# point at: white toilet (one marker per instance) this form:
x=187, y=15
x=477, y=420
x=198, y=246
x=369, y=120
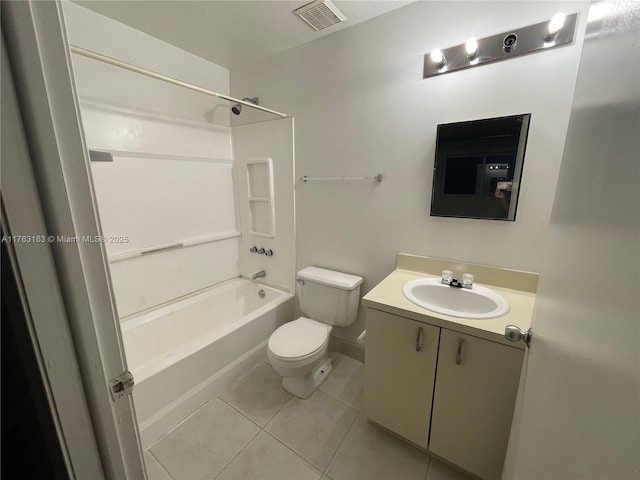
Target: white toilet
x=298, y=350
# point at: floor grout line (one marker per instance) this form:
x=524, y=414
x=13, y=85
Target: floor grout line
x=238, y=453
x=161, y=437
x=337, y=361
x=344, y=402
x=241, y=413
x=230, y=384
x=246, y=415
x=217, y=396
x=260, y=428
x=293, y=397
x=161, y=464
x=341, y=442
x=164, y=435
x=292, y=451
x=279, y=410
x=358, y=410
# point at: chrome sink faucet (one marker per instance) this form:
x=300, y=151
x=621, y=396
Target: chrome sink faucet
x=449, y=279
x=259, y=274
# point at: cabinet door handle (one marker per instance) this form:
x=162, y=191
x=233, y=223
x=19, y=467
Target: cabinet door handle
x=459, y=354
x=419, y=339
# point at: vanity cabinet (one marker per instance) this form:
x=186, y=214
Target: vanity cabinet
x=400, y=368
x=474, y=398
x=473, y=392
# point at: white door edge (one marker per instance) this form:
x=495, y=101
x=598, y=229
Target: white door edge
x=38, y=52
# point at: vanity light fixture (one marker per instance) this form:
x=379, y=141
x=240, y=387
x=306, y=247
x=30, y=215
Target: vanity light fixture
x=555, y=25
x=597, y=11
x=543, y=36
x=438, y=58
x=471, y=48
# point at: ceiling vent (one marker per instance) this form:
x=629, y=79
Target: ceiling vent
x=320, y=14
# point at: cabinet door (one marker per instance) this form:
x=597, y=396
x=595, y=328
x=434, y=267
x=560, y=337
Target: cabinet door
x=473, y=403
x=400, y=365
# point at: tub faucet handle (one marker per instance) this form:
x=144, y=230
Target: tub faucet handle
x=253, y=249
x=261, y=250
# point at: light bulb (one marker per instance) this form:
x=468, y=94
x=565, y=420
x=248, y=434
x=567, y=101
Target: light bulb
x=556, y=23
x=471, y=47
x=598, y=11
x=437, y=57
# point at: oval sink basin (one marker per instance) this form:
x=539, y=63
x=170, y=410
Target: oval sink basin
x=478, y=302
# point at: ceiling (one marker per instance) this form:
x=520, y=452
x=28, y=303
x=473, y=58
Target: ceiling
x=232, y=33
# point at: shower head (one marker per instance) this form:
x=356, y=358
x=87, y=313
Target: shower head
x=237, y=108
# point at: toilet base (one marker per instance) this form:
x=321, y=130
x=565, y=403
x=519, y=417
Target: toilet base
x=304, y=385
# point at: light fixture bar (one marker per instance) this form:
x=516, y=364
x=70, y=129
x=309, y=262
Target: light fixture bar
x=502, y=46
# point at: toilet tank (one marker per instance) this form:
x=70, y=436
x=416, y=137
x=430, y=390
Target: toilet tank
x=328, y=296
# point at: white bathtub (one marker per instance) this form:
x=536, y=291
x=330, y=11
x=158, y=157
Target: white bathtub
x=185, y=352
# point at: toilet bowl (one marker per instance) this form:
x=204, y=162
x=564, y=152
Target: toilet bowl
x=298, y=350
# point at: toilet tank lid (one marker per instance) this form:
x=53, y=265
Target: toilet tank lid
x=330, y=278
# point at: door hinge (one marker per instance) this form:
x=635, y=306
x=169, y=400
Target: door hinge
x=121, y=385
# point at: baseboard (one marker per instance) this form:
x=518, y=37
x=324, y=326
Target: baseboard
x=347, y=347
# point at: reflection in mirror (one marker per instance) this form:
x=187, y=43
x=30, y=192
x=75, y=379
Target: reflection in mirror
x=478, y=166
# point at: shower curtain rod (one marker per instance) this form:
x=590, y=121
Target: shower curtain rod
x=143, y=71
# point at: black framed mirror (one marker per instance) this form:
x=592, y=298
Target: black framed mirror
x=478, y=168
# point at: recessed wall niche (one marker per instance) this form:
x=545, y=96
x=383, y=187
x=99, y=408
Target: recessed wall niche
x=261, y=204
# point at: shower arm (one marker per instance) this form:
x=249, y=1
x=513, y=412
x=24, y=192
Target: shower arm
x=158, y=76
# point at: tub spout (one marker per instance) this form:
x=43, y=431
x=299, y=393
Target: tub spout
x=259, y=274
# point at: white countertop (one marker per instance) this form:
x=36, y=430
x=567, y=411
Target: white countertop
x=387, y=296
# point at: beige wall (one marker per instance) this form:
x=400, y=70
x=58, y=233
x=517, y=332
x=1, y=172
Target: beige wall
x=362, y=107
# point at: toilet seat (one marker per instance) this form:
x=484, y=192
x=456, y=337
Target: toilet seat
x=299, y=340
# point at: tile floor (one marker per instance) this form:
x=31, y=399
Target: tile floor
x=256, y=430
